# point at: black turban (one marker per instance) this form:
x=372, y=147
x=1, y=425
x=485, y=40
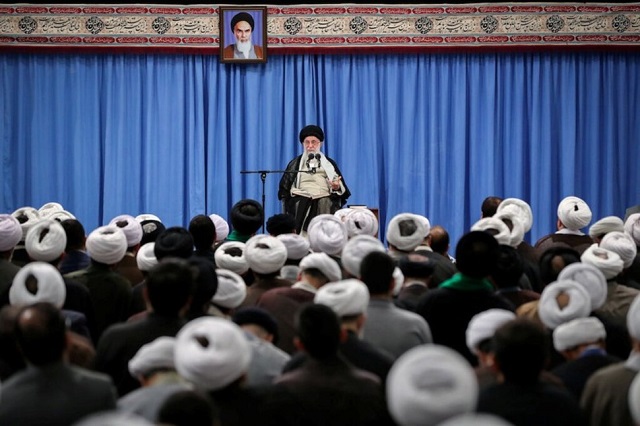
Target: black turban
x=311, y=130
x=257, y=316
x=242, y=16
x=150, y=231
x=174, y=242
x=247, y=216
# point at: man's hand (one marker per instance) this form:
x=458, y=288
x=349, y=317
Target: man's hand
x=335, y=183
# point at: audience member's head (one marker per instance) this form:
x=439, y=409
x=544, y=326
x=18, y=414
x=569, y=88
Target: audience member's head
x=406, y=231
x=509, y=267
x=356, y=249
x=247, y=217
x=145, y=258
x=573, y=214
x=258, y=322
x=153, y=358
x=212, y=353
x=348, y=298
x=429, y=384
x=517, y=208
x=571, y=338
x=75, y=234
x=494, y=227
x=46, y=241
x=563, y=301
x=230, y=255
x=415, y=266
x=41, y=333
x=38, y=282
x=476, y=254
x=10, y=234
x=605, y=225
x=481, y=329
x=27, y=216
x=591, y=278
x=318, y=331
x=297, y=247
x=231, y=290
x=607, y=261
x=188, y=408
x=169, y=286
x=490, y=205
x=265, y=255
x=203, y=232
x=131, y=228
x=622, y=244
x=632, y=227
x=376, y=271
x=361, y=222
x=221, y=225
x=281, y=223
x=321, y=268
x=175, y=241
x=107, y=245
x=439, y=240
x=327, y=234
x=520, y=351
x=205, y=286
x=150, y=230
x=554, y=260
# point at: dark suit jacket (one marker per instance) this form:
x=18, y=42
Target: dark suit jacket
x=57, y=394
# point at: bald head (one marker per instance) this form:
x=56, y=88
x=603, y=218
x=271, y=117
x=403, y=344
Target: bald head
x=41, y=333
x=439, y=240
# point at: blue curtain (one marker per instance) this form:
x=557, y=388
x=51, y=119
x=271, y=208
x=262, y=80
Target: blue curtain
x=431, y=134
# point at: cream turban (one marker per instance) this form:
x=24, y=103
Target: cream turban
x=497, y=228
x=231, y=290
x=225, y=260
x=222, y=227
x=48, y=286
x=297, y=245
x=633, y=319
x=425, y=223
x=27, y=216
x=346, y=297
x=157, y=355
x=327, y=234
x=131, y=228
x=406, y=231
x=517, y=208
x=516, y=231
x=429, y=384
x=361, y=222
x=323, y=263
x=107, y=244
x=147, y=216
x=356, y=249
x=574, y=213
x=634, y=399
x=577, y=332
x=343, y=213
x=10, y=232
x=554, y=312
x=211, y=353
x=484, y=325
x=60, y=216
x=49, y=208
x=145, y=258
x=46, y=240
x=265, y=254
x=607, y=261
x=589, y=277
x=632, y=227
x=606, y=225
x=622, y=244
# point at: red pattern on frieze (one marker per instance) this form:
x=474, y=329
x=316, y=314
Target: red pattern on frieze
x=6, y=10
x=132, y=10
x=297, y=11
x=99, y=40
x=494, y=9
x=7, y=39
x=430, y=40
x=31, y=10
x=132, y=40
x=593, y=9
x=493, y=39
x=527, y=9
x=33, y=39
x=395, y=10
x=592, y=38
x=330, y=40
x=526, y=39
x=274, y=11
x=461, y=10
x=460, y=39
x=393, y=40
x=165, y=10
x=198, y=11
x=297, y=40
x=625, y=8
x=362, y=40
x=165, y=40
x=559, y=38
x=329, y=10
x=198, y=40
x=625, y=38
x=65, y=10
x=66, y=40
x=559, y=9
x=98, y=10
x=362, y=10
x=271, y=40
x=428, y=10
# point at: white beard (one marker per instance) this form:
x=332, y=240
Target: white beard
x=244, y=47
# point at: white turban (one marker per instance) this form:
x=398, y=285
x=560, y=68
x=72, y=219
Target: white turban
x=323, y=263
x=517, y=208
x=574, y=213
x=607, y=261
x=633, y=319
x=577, y=332
x=361, y=222
x=297, y=245
x=476, y=419
x=231, y=291
x=147, y=216
x=46, y=241
x=60, y=216
x=49, y=208
x=211, y=353
x=222, y=227
x=157, y=355
x=10, y=232
x=107, y=244
x=343, y=213
x=48, y=287
x=622, y=244
x=327, y=234
x=634, y=399
x=113, y=418
x=578, y=303
x=398, y=281
x=145, y=258
x=356, y=249
x=429, y=384
x=425, y=223
x=484, y=325
x=497, y=228
x=224, y=260
x=346, y=297
x=265, y=254
x=406, y=231
x=516, y=231
x=589, y=277
x=131, y=228
x=606, y=225
x=632, y=227
x=27, y=216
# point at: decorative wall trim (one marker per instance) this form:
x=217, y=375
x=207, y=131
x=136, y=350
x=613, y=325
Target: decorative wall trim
x=325, y=28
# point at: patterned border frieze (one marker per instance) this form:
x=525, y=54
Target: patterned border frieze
x=327, y=27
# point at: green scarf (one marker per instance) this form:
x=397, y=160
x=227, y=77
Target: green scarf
x=236, y=236
x=465, y=283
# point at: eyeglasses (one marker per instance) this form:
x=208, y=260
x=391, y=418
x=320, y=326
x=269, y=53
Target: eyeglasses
x=312, y=143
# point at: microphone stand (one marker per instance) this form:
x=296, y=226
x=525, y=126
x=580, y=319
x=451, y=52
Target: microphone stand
x=263, y=177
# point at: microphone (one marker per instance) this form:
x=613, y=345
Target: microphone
x=312, y=169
